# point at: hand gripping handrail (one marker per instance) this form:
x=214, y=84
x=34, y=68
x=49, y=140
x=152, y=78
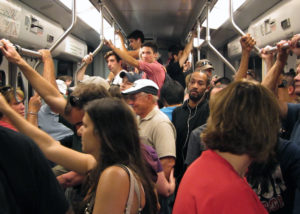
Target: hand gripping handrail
x=207, y=41
x=13, y=70
x=25, y=52
x=236, y=28
x=96, y=51
x=65, y=34
x=285, y=46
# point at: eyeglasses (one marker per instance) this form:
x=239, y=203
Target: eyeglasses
x=283, y=84
x=205, y=63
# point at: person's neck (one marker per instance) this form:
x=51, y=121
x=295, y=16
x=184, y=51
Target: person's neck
x=117, y=71
x=6, y=120
x=192, y=103
x=240, y=163
x=147, y=111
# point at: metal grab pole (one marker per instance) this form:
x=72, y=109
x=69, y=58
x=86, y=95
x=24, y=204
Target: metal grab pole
x=65, y=34
x=13, y=69
x=93, y=54
x=207, y=39
x=285, y=46
x=96, y=51
x=198, y=39
x=236, y=28
x=25, y=52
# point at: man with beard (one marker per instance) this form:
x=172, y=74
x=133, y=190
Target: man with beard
x=190, y=115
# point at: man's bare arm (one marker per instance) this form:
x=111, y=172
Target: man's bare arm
x=45, y=89
x=88, y=59
x=247, y=43
x=188, y=48
x=168, y=164
x=133, y=53
x=271, y=79
x=123, y=55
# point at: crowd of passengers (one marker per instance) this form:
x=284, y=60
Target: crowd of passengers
x=153, y=138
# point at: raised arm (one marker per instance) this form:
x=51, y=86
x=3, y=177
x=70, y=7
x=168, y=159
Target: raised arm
x=45, y=89
x=133, y=53
x=247, y=43
x=52, y=149
x=123, y=55
x=187, y=50
x=294, y=42
x=123, y=48
x=49, y=71
x=88, y=59
x=267, y=57
x=271, y=79
x=34, y=106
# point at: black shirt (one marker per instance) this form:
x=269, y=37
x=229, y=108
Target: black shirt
x=186, y=119
x=176, y=73
x=31, y=185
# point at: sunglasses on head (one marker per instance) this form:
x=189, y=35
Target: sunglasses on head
x=205, y=63
x=283, y=84
x=75, y=101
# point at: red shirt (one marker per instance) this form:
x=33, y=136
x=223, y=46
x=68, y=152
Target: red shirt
x=154, y=71
x=212, y=186
x=7, y=125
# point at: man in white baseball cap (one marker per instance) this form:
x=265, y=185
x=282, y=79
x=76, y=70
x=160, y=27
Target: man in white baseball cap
x=154, y=126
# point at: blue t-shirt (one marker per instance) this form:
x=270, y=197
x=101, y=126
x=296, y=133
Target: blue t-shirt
x=168, y=111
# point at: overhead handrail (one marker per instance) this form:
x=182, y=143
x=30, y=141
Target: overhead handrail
x=273, y=49
x=236, y=28
x=25, y=52
x=96, y=51
x=65, y=34
x=207, y=41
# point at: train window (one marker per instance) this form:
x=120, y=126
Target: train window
x=91, y=16
x=2, y=78
x=64, y=68
x=219, y=14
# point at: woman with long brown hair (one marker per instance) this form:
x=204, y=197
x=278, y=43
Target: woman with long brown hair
x=112, y=159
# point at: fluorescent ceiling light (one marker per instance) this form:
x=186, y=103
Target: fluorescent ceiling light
x=86, y=12
x=220, y=13
x=92, y=17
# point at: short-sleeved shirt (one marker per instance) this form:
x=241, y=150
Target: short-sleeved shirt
x=153, y=71
x=49, y=122
x=158, y=131
x=33, y=186
x=153, y=163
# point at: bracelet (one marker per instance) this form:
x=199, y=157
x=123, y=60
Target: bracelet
x=33, y=113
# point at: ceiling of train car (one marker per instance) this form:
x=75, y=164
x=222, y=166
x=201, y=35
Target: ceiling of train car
x=166, y=21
